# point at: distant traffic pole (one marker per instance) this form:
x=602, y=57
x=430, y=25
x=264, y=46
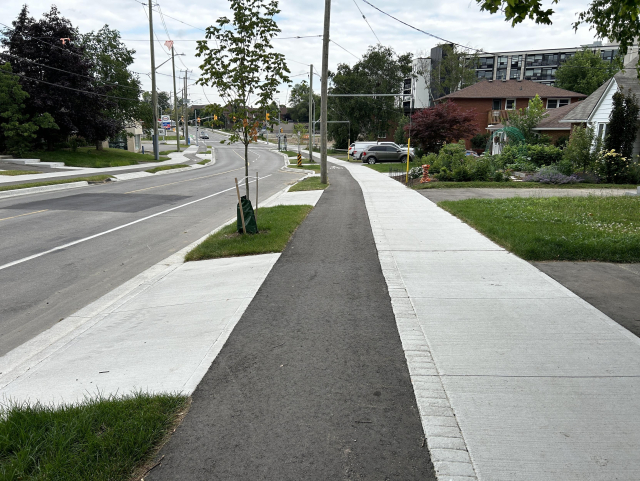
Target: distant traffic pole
x=310, y=112
x=186, y=110
x=323, y=92
x=154, y=94
x=175, y=97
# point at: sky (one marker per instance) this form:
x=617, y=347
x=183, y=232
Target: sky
x=459, y=21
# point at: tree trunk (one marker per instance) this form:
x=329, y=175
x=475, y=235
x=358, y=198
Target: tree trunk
x=99, y=145
x=246, y=163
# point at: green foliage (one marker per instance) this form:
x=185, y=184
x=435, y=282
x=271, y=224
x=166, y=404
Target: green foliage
x=450, y=157
x=623, y=123
x=400, y=136
x=453, y=72
x=580, y=149
x=452, y=164
x=544, y=154
x=585, y=72
x=310, y=183
x=612, y=166
x=299, y=102
x=299, y=131
x=100, y=439
x=527, y=119
x=243, y=66
x=479, y=141
x=19, y=131
x=562, y=141
x=380, y=70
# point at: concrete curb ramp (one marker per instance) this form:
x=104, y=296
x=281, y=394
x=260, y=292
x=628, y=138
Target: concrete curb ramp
x=516, y=377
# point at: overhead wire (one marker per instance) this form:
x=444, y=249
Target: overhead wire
x=365, y=19
x=331, y=40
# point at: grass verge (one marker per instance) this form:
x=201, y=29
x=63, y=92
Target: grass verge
x=203, y=162
x=517, y=185
x=310, y=183
x=166, y=167
x=90, y=157
x=276, y=225
x=314, y=167
x=19, y=172
x=590, y=228
x=384, y=168
x=103, y=439
x=94, y=178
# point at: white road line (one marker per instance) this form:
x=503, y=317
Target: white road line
x=79, y=241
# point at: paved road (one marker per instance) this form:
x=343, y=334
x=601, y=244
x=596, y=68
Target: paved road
x=312, y=383
x=37, y=293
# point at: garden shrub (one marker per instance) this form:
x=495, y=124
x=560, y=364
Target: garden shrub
x=415, y=172
x=612, y=167
x=479, y=141
x=551, y=175
x=561, y=142
x=544, y=154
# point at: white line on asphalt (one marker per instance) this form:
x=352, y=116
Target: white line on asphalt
x=22, y=215
x=79, y=241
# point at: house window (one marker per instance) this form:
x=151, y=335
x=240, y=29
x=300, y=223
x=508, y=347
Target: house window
x=602, y=130
x=497, y=104
x=511, y=104
x=382, y=135
x=555, y=103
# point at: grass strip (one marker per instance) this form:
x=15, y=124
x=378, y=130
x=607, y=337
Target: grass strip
x=592, y=228
x=310, y=183
x=90, y=157
x=203, y=162
x=166, y=167
x=517, y=185
x=275, y=224
x=19, y=172
x=93, y=178
x=100, y=439
x=314, y=167
x=397, y=166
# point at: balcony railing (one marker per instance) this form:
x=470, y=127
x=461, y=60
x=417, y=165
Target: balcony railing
x=498, y=116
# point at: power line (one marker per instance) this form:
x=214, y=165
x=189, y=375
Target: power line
x=365, y=19
x=331, y=40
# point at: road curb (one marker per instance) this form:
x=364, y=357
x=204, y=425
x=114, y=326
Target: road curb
x=45, y=188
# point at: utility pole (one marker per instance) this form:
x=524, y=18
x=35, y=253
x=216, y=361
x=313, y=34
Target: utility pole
x=323, y=92
x=154, y=94
x=186, y=110
x=175, y=97
x=310, y=112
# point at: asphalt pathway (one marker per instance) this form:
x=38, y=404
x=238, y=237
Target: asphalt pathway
x=313, y=382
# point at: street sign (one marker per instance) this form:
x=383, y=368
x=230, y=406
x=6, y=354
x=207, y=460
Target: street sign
x=166, y=122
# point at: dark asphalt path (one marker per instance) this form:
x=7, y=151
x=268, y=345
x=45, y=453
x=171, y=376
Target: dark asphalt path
x=312, y=384
x=37, y=293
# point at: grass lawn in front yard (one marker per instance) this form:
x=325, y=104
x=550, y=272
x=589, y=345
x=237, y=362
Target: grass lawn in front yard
x=101, y=439
x=592, y=228
x=90, y=157
x=517, y=185
x=19, y=172
x=166, y=167
x=310, y=183
x=93, y=178
x=276, y=225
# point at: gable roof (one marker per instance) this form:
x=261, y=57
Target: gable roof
x=511, y=89
x=626, y=79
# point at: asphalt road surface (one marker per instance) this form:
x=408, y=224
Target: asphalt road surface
x=312, y=383
x=153, y=217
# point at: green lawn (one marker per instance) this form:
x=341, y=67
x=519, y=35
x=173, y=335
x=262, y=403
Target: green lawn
x=590, y=228
x=90, y=157
x=384, y=168
x=314, y=167
x=203, y=162
x=166, y=167
x=19, y=172
x=517, y=185
x=104, y=439
x=310, y=183
x=275, y=224
x=93, y=178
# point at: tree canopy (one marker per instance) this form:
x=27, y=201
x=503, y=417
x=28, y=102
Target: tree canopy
x=528, y=119
x=299, y=102
x=381, y=71
x=585, y=72
x=453, y=72
x=443, y=123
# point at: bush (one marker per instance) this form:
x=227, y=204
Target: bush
x=580, y=149
x=551, y=175
x=450, y=157
x=544, y=154
x=522, y=166
x=479, y=141
x=561, y=142
x=415, y=172
x=470, y=168
x=613, y=167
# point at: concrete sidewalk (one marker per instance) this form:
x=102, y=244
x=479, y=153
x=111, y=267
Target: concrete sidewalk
x=159, y=332
x=507, y=365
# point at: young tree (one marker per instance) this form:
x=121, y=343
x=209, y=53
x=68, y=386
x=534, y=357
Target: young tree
x=18, y=130
x=379, y=71
x=585, y=72
x=623, y=124
x=443, y=123
x=454, y=71
x=581, y=149
x=527, y=119
x=243, y=66
x=299, y=131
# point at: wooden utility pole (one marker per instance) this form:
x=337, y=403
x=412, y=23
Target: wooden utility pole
x=186, y=111
x=175, y=98
x=323, y=92
x=154, y=93
x=310, y=112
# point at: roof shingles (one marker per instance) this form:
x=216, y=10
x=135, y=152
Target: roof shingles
x=511, y=89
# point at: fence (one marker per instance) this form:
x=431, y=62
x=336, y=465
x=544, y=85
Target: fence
x=401, y=176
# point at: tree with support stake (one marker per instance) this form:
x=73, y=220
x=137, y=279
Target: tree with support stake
x=244, y=67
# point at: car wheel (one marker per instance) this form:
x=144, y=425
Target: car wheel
x=403, y=159
x=371, y=160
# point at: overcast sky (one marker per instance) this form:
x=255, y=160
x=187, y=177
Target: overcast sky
x=460, y=21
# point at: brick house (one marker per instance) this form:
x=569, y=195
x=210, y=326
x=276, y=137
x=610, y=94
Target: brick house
x=495, y=100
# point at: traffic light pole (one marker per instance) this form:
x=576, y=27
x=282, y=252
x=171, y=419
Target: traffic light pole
x=310, y=112
x=175, y=98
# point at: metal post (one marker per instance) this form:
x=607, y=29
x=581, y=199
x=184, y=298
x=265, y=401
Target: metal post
x=175, y=98
x=323, y=92
x=254, y=214
x=244, y=228
x=186, y=110
x=154, y=94
x=310, y=111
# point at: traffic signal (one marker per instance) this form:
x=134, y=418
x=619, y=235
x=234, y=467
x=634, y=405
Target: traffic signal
x=280, y=129
x=215, y=117
x=267, y=117
x=182, y=118
x=198, y=119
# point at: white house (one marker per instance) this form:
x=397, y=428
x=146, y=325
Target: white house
x=595, y=110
